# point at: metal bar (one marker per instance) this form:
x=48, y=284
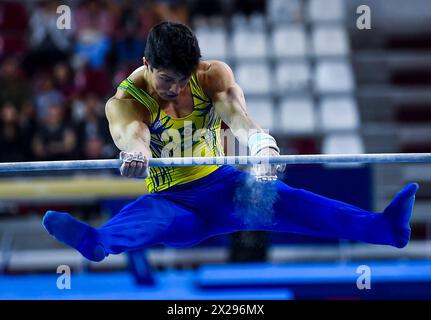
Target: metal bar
x=232, y=160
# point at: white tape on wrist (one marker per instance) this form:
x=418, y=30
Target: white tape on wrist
x=261, y=140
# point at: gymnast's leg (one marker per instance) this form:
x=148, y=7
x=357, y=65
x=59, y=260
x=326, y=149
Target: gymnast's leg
x=150, y=220
x=301, y=211
x=275, y=206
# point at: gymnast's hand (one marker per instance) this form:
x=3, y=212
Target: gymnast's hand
x=267, y=172
x=135, y=165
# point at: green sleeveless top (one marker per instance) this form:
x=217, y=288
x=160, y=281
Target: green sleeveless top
x=199, y=136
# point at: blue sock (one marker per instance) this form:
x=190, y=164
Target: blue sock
x=398, y=213
x=74, y=233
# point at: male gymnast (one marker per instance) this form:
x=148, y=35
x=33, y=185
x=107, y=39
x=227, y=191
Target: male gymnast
x=186, y=205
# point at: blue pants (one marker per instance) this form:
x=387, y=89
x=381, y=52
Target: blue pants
x=185, y=215
x=230, y=200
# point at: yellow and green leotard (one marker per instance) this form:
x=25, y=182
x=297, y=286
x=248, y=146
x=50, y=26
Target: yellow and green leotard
x=203, y=119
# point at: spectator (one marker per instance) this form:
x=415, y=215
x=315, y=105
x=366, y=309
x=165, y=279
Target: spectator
x=46, y=96
x=93, y=131
x=96, y=14
x=95, y=26
x=89, y=80
x=11, y=137
x=64, y=82
x=136, y=20
x=54, y=140
x=49, y=44
x=206, y=8
x=13, y=84
x=13, y=16
x=93, y=148
x=91, y=49
x=27, y=120
x=13, y=28
x=249, y=7
x=148, y=17
x=77, y=108
x=130, y=45
x=172, y=10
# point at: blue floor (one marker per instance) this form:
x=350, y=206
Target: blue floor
x=389, y=280
x=179, y=285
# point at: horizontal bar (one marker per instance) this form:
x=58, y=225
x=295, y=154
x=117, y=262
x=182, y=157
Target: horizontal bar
x=232, y=160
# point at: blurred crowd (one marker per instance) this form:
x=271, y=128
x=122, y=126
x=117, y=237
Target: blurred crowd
x=54, y=82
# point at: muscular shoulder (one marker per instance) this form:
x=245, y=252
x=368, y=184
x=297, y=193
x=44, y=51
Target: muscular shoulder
x=215, y=76
x=139, y=79
x=123, y=107
x=123, y=111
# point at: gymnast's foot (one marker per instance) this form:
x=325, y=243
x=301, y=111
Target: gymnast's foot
x=399, y=212
x=74, y=233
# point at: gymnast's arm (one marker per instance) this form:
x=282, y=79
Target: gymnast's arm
x=229, y=102
x=228, y=98
x=127, y=124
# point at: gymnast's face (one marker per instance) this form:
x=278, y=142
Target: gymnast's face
x=168, y=84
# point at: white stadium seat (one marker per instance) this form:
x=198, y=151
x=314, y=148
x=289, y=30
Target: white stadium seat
x=326, y=10
x=213, y=42
x=297, y=115
x=254, y=78
x=339, y=113
x=289, y=41
x=249, y=43
x=262, y=111
x=341, y=143
x=292, y=76
x=284, y=11
x=333, y=76
x=241, y=21
x=330, y=41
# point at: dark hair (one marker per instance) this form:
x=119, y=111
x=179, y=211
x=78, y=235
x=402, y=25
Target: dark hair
x=173, y=46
